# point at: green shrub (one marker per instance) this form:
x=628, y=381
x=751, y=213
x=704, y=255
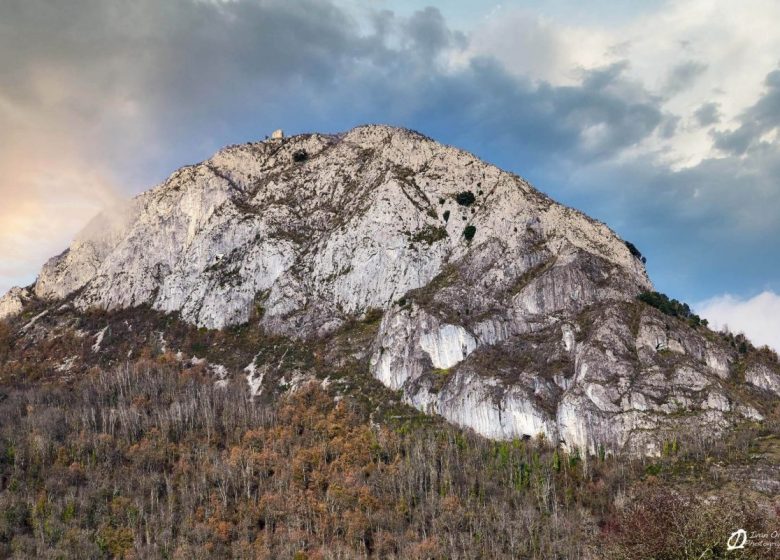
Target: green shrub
x=465, y=198
x=671, y=307
x=468, y=232
x=635, y=252
x=429, y=235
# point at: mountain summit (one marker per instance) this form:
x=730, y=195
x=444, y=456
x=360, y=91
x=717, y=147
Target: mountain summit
x=500, y=309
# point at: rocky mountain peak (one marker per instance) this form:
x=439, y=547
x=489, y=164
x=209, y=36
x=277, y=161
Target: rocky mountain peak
x=319, y=227
x=501, y=310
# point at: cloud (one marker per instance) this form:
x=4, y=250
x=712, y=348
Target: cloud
x=696, y=225
x=532, y=47
x=689, y=52
x=707, y=114
x=682, y=76
x=757, y=122
x=757, y=317
x=586, y=122
x=429, y=34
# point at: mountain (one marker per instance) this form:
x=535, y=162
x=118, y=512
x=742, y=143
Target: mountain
x=488, y=303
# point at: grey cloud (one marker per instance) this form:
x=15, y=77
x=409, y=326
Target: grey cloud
x=429, y=34
x=682, y=76
x=708, y=114
x=198, y=71
x=736, y=141
x=707, y=227
x=538, y=122
x=669, y=126
x=601, y=78
x=756, y=121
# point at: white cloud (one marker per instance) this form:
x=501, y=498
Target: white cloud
x=757, y=317
x=734, y=45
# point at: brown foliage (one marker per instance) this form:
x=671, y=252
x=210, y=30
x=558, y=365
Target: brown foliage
x=147, y=461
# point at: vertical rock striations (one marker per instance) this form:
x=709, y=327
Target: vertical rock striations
x=503, y=310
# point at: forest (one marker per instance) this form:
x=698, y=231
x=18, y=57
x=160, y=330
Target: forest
x=152, y=460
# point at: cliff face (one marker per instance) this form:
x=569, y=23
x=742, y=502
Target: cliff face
x=502, y=310
x=355, y=223
x=13, y=302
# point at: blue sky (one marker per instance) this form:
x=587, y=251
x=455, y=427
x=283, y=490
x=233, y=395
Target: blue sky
x=661, y=120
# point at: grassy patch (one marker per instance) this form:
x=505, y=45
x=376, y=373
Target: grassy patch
x=429, y=235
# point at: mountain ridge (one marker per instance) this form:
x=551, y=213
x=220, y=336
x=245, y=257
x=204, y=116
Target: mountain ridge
x=501, y=310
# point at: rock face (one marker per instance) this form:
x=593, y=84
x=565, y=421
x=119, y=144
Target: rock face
x=13, y=302
x=503, y=310
x=316, y=228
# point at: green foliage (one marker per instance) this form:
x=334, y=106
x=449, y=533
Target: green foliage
x=440, y=378
x=69, y=512
x=671, y=307
x=465, y=198
x=670, y=447
x=469, y=232
x=446, y=215
x=430, y=235
x=749, y=352
x=523, y=476
x=574, y=458
x=635, y=252
x=556, y=461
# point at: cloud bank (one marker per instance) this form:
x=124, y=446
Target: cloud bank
x=757, y=317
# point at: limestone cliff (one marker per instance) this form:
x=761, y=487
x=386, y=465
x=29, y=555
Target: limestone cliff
x=502, y=310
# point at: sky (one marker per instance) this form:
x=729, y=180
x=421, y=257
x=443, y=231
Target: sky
x=659, y=118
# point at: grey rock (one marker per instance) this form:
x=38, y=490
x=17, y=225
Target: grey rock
x=13, y=302
x=531, y=327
